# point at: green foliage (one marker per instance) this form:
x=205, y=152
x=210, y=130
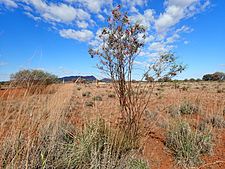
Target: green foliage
x=138, y=164
x=33, y=77
x=185, y=108
x=99, y=146
x=188, y=108
x=164, y=79
x=148, y=78
x=188, y=145
x=217, y=76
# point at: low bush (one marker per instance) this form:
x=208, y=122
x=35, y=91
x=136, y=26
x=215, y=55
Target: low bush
x=188, y=108
x=97, y=98
x=220, y=91
x=27, y=78
x=89, y=103
x=99, y=146
x=86, y=94
x=173, y=111
x=188, y=145
x=217, y=121
x=79, y=88
x=185, y=88
x=138, y=164
x=111, y=95
x=185, y=108
x=150, y=115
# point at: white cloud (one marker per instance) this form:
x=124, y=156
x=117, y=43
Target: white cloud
x=149, y=38
x=172, y=38
x=9, y=3
x=162, y=32
x=58, y=12
x=176, y=10
x=94, y=6
x=157, y=46
x=161, y=43
x=83, y=35
x=144, y=19
x=82, y=24
x=133, y=3
x=184, y=29
x=100, y=17
x=181, y=3
x=30, y=15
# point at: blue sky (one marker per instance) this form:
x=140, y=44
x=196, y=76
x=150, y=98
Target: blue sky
x=55, y=35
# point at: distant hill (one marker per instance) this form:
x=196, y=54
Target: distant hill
x=71, y=78
x=107, y=80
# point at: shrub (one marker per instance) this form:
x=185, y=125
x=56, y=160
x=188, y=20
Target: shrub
x=86, y=94
x=204, y=87
x=138, y=164
x=28, y=78
x=188, y=145
x=217, y=76
x=89, y=103
x=185, y=108
x=217, y=121
x=121, y=42
x=97, y=98
x=184, y=88
x=111, y=95
x=202, y=126
x=173, y=110
x=220, y=91
x=100, y=146
x=188, y=108
x=151, y=115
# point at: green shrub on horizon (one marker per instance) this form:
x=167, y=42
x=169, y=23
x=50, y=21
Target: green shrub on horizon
x=27, y=78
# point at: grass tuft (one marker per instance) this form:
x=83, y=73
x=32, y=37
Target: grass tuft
x=217, y=121
x=97, y=98
x=188, y=145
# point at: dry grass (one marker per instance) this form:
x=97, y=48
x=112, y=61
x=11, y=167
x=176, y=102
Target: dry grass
x=42, y=128
x=37, y=132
